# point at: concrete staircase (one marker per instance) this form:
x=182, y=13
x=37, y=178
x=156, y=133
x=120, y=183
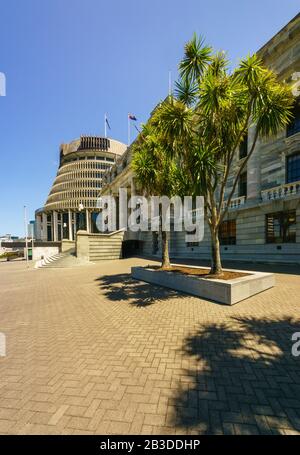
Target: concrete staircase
x=99, y=247
x=61, y=260
x=105, y=248
x=47, y=261
x=90, y=248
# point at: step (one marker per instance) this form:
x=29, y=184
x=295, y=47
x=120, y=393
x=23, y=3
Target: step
x=106, y=241
x=109, y=258
x=103, y=250
x=105, y=256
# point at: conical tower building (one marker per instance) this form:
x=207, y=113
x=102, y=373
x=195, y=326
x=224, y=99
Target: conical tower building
x=71, y=203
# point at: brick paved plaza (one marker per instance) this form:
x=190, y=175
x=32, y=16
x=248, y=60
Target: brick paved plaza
x=91, y=351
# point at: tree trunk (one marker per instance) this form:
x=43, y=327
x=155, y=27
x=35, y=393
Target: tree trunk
x=216, y=265
x=165, y=250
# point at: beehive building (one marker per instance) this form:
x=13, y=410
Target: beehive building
x=71, y=203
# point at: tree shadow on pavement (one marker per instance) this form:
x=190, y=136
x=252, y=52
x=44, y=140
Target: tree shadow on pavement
x=122, y=287
x=242, y=379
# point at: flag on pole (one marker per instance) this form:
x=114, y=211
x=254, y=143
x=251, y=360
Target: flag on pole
x=132, y=117
x=107, y=123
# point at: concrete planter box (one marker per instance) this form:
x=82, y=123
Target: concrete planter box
x=223, y=291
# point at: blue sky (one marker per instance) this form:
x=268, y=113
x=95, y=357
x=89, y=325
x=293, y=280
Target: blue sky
x=68, y=61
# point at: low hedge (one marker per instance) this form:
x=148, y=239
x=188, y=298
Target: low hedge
x=8, y=255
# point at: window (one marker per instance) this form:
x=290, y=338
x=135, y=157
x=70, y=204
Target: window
x=49, y=233
x=227, y=234
x=293, y=168
x=281, y=227
x=294, y=125
x=94, y=217
x=155, y=245
x=192, y=244
x=243, y=184
x=243, y=149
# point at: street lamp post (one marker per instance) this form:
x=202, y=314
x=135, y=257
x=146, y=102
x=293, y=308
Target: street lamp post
x=26, y=234
x=32, y=240
x=81, y=224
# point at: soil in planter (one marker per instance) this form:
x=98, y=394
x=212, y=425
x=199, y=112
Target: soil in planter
x=226, y=275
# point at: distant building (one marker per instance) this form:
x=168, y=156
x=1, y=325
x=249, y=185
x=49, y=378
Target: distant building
x=71, y=203
x=8, y=238
x=6, y=242
x=31, y=229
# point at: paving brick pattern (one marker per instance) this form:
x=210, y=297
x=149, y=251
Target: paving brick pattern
x=91, y=351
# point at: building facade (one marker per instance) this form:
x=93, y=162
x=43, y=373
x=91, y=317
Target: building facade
x=263, y=222
x=72, y=202
x=6, y=242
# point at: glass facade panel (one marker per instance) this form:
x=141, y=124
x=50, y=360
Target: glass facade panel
x=94, y=228
x=81, y=221
x=49, y=233
x=65, y=220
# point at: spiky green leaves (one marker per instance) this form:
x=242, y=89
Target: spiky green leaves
x=196, y=58
x=186, y=91
x=155, y=169
x=144, y=167
x=269, y=100
x=272, y=107
x=175, y=123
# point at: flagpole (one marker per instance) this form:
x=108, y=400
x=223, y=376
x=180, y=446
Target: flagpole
x=128, y=119
x=26, y=234
x=32, y=239
x=105, y=128
x=170, y=83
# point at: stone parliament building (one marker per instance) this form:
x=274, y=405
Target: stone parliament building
x=263, y=221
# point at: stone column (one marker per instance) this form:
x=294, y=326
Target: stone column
x=38, y=222
x=70, y=226
x=131, y=235
x=44, y=224
x=87, y=216
x=253, y=168
x=54, y=224
x=132, y=187
x=61, y=226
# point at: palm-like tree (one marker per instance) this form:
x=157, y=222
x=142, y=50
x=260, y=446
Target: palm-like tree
x=210, y=117
x=156, y=172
